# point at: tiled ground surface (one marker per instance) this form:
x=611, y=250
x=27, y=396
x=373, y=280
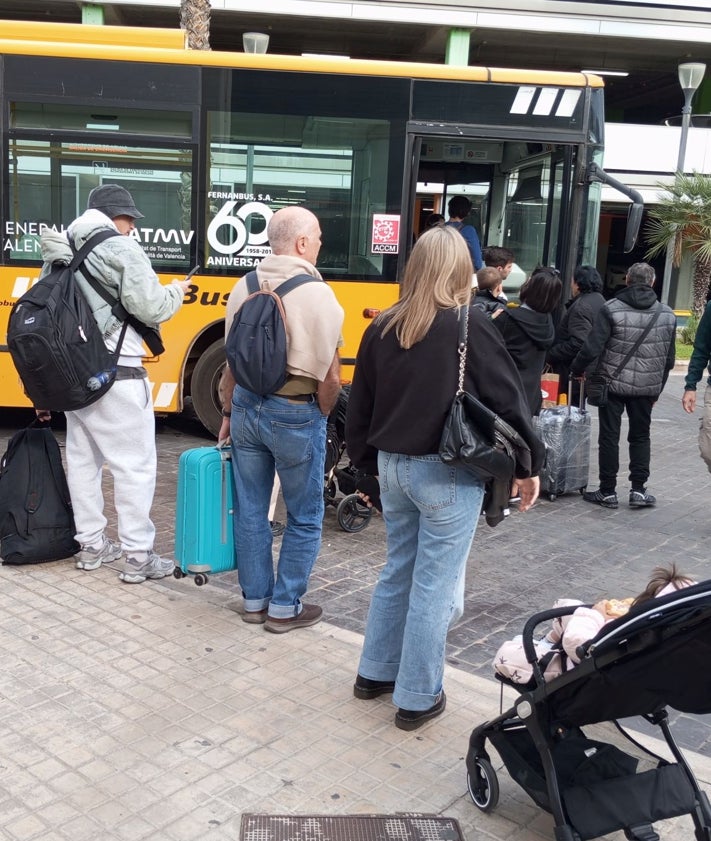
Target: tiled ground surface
x=562, y=548
x=153, y=712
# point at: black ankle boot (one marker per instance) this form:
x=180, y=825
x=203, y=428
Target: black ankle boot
x=412, y=719
x=367, y=689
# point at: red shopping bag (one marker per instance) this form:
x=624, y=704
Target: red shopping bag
x=550, y=384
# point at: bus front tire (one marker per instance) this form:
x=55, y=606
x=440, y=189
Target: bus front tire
x=204, y=386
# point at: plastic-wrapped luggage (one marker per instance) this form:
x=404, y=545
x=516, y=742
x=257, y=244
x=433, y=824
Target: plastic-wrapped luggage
x=565, y=430
x=204, y=527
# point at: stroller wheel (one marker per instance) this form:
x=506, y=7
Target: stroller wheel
x=484, y=788
x=353, y=515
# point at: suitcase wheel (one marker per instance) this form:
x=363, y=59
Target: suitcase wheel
x=201, y=578
x=178, y=573
x=552, y=497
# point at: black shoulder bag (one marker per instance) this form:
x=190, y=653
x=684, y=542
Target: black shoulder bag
x=476, y=438
x=597, y=385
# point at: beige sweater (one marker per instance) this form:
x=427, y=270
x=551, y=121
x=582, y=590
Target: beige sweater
x=314, y=318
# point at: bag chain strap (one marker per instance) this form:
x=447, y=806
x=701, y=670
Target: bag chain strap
x=463, y=333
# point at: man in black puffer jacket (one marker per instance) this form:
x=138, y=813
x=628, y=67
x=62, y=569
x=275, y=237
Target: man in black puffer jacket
x=636, y=387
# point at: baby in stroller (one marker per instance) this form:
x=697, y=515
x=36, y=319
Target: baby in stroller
x=558, y=650
x=565, y=739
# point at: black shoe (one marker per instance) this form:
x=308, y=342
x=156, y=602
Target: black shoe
x=641, y=499
x=412, y=719
x=600, y=498
x=276, y=527
x=367, y=689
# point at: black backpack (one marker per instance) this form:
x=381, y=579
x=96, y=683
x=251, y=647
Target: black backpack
x=55, y=342
x=36, y=520
x=256, y=342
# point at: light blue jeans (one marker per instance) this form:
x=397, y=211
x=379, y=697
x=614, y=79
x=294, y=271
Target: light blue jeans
x=271, y=433
x=431, y=512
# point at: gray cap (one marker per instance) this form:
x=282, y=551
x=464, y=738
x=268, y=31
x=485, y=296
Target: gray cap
x=113, y=201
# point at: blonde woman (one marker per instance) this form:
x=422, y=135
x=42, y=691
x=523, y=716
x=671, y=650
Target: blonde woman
x=405, y=379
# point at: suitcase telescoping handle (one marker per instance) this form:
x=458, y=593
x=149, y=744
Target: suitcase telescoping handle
x=225, y=478
x=570, y=394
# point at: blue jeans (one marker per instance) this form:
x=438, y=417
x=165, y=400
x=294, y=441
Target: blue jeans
x=271, y=433
x=431, y=512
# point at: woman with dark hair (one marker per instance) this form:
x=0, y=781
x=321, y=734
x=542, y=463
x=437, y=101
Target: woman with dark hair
x=580, y=313
x=528, y=330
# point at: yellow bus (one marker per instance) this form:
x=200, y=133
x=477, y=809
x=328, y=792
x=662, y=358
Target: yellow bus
x=211, y=144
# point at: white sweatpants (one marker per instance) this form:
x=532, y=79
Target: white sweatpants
x=118, y=430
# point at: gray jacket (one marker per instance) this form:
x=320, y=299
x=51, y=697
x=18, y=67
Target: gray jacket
x=120, y=264
x=616, y=328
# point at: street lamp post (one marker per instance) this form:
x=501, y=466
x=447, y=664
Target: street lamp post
x=690, y=76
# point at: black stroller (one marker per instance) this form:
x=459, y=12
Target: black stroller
x=351, y=513
x=654, y=657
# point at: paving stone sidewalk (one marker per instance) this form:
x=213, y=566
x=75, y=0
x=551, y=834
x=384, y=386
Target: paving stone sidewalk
x=565, y=548
x=154, y=712
x=151, y=711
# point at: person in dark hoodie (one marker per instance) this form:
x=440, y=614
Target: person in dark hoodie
x=528, y=330
x=577, y=321
x=633, y=388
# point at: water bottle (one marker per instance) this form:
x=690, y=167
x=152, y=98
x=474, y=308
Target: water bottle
x=94, y=383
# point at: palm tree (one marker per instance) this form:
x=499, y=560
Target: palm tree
x=195, y=20
x=682, y=219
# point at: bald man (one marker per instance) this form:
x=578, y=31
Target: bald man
x=284, y=432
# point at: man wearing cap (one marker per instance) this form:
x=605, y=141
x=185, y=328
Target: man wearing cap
x=119, y=428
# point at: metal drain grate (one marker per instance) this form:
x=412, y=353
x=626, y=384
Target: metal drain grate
x=398, y=827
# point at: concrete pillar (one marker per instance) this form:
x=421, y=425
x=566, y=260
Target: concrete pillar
x=458, y=47
x=91, y=14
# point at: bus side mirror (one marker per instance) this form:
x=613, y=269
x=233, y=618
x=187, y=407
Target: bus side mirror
x=634, y=220
x=634, y=215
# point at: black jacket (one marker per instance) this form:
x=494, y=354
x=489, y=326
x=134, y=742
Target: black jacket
x=487, y=302
x=617, y=326
x=400, y=399
x=527, y=335
x=576, y=323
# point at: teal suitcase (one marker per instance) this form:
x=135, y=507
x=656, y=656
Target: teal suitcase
x=204, y=522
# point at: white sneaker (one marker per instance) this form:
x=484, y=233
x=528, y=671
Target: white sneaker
x=142, y=565
x=91, y=558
